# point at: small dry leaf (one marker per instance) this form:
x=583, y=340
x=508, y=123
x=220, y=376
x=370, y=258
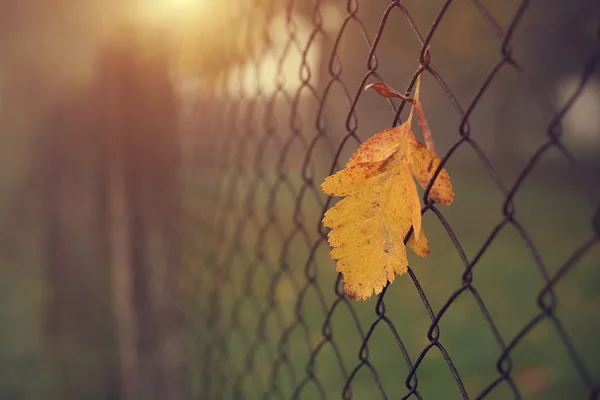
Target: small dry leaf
x=386, y=91
x=423, y=166
x=382, y=204
x=424, y=126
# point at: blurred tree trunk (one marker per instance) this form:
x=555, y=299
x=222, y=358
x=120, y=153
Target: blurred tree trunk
x=110, y=160
x=79, y=317
x=139, y=115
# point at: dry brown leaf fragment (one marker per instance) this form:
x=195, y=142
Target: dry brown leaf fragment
x=424, y=127
x=386, y=91
x=423, y=166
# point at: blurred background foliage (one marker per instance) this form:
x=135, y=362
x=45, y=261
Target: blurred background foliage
x=65, y=67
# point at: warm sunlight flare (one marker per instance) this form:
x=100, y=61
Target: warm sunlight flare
x=172, y=11
x=174, y=16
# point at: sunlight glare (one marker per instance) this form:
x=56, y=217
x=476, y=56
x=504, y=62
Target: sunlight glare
x=271, y=73
x=171, y=12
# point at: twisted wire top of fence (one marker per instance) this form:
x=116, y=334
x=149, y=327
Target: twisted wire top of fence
x=480, y=318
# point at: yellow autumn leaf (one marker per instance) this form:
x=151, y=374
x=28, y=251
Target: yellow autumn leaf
x=369, y=225
x=381, y=205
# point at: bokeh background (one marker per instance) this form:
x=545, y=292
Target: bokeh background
x=160, y=201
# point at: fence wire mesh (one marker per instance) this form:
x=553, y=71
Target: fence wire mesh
x=497, y=310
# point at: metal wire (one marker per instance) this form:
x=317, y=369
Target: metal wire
x=257, y=209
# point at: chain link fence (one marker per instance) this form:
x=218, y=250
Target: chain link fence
x=498, y=310
x=163, y=220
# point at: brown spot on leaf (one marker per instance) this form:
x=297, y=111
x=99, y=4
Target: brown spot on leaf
x=352, y=295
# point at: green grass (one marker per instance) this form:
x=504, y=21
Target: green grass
x=552, y=212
